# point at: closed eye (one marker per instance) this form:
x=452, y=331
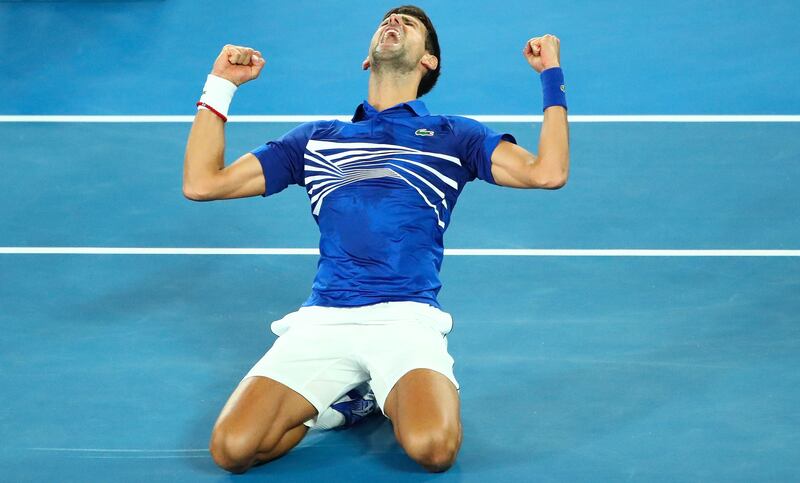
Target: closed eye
x=410, y=21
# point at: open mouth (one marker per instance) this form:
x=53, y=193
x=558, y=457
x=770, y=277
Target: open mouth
x=390, y=36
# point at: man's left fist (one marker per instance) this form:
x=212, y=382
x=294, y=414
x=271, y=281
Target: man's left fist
x=543, y=52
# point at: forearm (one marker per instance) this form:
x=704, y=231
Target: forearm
x=204, y=156
x=553, y=161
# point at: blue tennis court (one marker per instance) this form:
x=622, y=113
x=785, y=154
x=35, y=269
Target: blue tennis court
x=677, y=366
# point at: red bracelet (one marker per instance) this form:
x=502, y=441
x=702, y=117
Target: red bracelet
x=219, y=114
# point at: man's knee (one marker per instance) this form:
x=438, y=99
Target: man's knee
x=233, y=451
x=435, y=450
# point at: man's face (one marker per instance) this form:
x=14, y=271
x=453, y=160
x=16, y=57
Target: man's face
x=399, y=40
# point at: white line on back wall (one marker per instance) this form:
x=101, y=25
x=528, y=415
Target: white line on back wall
x=491, y=252
x=577, y=118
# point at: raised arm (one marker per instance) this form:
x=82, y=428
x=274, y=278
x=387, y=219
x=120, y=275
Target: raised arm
x=205, y=176
x=515, y=166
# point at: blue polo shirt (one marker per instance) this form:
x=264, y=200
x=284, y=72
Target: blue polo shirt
x=382, y=190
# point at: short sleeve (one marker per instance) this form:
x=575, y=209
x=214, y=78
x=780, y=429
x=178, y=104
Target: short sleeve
x=282, y=160
x=476, y=145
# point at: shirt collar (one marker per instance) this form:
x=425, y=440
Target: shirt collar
x=405, y=109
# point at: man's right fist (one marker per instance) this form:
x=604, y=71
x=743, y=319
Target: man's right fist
x=238, y=64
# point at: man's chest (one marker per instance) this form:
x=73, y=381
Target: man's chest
x=388, y=158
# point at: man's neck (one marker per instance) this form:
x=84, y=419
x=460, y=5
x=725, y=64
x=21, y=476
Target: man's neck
x=388, y=91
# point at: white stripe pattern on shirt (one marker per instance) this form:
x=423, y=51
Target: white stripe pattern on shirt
x=331, y=165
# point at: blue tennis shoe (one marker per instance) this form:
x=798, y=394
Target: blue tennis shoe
x=356, y=406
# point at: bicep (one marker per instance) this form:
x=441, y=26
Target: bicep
x=241, y=179
x=512, y=166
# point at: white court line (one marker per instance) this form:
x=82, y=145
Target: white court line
x=491, y=252
x=110, y=450
x=142, y=457
x=519, y=360
x=532, y=118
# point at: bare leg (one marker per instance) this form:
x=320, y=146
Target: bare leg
x=289, y=440
x=424, y=409
x=262, y=420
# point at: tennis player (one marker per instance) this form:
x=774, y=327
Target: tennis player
x=382, y=190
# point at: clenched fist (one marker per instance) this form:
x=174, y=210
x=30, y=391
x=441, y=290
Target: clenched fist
x=238, y=64
x=543, y=52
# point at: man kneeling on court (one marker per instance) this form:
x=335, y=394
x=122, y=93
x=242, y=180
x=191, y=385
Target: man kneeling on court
x=382, y=189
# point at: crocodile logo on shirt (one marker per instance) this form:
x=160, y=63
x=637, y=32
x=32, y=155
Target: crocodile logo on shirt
x=423, y=132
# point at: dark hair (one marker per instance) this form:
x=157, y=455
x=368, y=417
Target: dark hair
x=431, y=45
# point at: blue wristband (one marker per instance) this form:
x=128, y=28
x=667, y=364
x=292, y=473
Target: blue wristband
x=553, y=88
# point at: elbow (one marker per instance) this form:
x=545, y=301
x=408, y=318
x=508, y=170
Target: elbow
x=556, y=183
x=553, y=184
x=560, y=181
x=549, y=181
x=196, y=193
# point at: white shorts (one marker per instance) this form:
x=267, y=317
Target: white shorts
x=324, y=352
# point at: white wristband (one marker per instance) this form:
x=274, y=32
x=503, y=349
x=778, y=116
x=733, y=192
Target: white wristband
x=217, y=94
